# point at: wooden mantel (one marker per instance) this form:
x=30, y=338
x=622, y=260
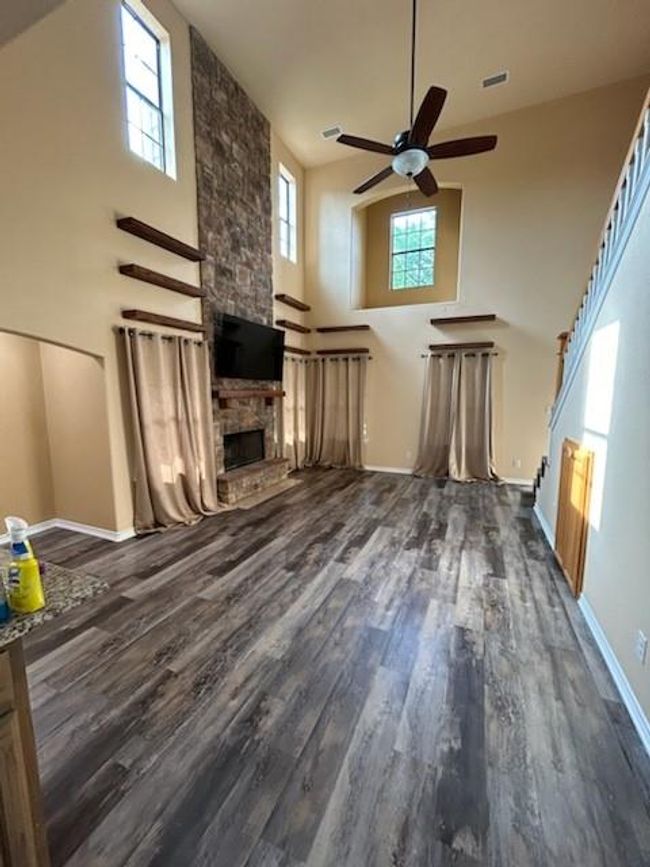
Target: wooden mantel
x=223, y=395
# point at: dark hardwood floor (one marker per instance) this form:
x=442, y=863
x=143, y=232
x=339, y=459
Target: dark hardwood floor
x=369, y=670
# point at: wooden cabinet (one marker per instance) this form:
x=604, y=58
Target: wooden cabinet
x=572, y=524
x=22, y=833
x=15, y=808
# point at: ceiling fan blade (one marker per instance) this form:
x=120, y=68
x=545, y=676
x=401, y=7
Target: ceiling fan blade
x=462, y=147
x=426, y=182
x=427, y=115
x=375, y=179
x=365, y=144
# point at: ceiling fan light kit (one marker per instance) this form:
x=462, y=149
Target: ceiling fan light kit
x=411, y=151
x=410, y=162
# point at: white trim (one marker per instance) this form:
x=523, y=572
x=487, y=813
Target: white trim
x=405, y=471
x=629, y=699
x=546, y=527
x=98, y=532
x=75, y=527
x=523, y=482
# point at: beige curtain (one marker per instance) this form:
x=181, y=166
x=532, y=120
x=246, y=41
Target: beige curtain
x=456, y=425
x=439, y=402
x=174, y=456
x=336, y=389
x=294, y=415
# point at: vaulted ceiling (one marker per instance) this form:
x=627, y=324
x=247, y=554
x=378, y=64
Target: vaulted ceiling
x=310, y=64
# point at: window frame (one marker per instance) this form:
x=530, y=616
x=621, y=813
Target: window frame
x=164, y=111
x=392, y=253
x=291, y=220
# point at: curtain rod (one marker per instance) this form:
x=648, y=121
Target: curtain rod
x=456, y=352
x=121, y=329
x=330, y=358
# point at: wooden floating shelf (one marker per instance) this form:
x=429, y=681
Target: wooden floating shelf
x=160, y=239
x=157, y=319
x=461, y=320
x=225, y=394
x=295, y=350
x=157, y=279
x=452, y=347
x=292, y=326
x=331, y=329
x=356, y=351
x=292, y=302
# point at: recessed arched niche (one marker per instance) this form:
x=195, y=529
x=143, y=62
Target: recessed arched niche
x=405, y=249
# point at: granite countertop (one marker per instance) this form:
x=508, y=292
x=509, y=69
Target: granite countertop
x=64, y=589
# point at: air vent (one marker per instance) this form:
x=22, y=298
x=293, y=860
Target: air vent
x=493, y=80
x=332, y=132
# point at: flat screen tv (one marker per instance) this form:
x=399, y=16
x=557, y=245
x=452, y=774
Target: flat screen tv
x=247, y=350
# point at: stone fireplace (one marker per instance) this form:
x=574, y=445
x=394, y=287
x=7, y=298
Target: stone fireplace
x=233, y=168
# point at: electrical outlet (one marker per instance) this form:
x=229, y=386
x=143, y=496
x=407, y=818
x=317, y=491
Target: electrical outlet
x=641, y=647
x=516, y=463
x=409, y=455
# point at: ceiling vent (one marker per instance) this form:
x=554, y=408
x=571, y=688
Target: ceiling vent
x=493, y=80
x=332, y=132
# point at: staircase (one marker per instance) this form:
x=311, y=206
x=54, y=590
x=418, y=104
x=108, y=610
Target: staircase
x=629, y=195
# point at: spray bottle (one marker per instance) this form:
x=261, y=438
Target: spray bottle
x=24, y=586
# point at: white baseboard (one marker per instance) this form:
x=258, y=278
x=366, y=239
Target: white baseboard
x=526, y=483
x=405, y=471
x=629, y=699
x=98, y=532
x=87, y=529
x=546, y=528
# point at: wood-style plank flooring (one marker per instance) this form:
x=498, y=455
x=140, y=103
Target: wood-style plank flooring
x=369, y=670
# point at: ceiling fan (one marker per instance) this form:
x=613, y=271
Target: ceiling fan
x=411, y=151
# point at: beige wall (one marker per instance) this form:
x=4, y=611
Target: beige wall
x=67, y=173
x=616, y=364
x=532, y=211
x=288, y=277
x=25, y=470
x=77, y=432
x=377, y=249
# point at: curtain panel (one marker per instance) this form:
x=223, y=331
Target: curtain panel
x=456, y=439
x=335, y=411
x=174, y=464
x=294, y=412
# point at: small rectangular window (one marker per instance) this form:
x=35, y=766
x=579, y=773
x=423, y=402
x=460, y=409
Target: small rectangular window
x=287, y=215
x=413, y=249
x=147, y=81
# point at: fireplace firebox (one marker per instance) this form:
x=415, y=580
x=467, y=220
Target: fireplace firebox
x=245, y=447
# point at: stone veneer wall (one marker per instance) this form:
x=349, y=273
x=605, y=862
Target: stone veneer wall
x=233, y=167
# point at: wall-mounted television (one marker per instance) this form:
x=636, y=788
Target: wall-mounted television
x=247, y=350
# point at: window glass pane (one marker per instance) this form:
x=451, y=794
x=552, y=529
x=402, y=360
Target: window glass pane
x=283, y=198
x=287, y=212
x=413, y=237
x=140, y=57
x=143, y=101
x=284, y=238
x=144, y=116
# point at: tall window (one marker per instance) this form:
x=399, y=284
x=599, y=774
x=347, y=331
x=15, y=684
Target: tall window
x=413, y=249
x=147, y=80
x=287, y=215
